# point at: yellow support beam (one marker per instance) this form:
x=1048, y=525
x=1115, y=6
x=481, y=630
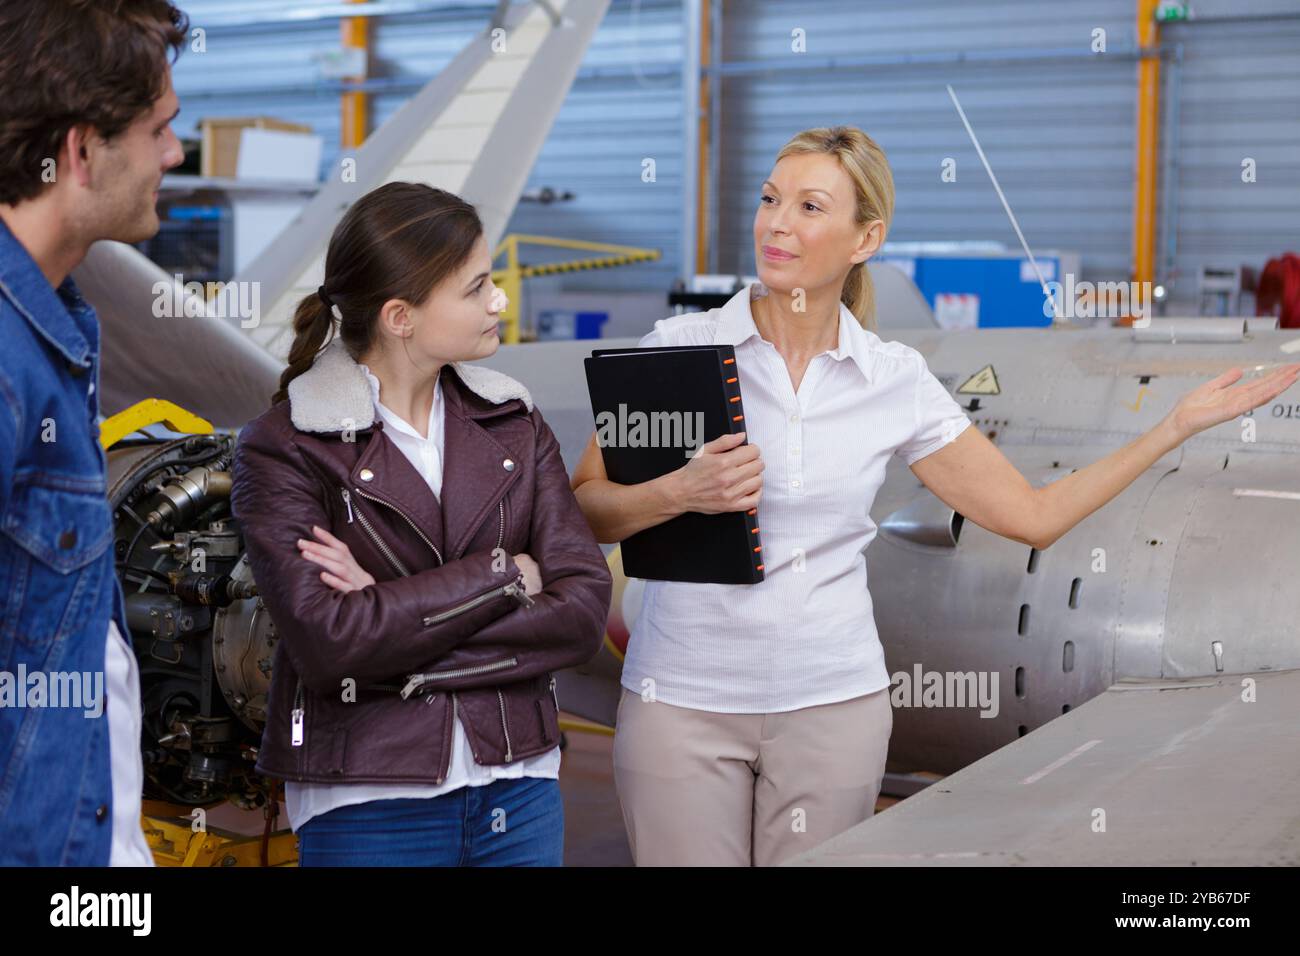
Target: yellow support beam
x=707, y=92
x=151, y=411
x=355, y=105
x=578, y=265
x=511, y=276
x=1148, y=111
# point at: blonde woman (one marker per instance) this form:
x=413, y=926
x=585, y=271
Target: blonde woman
x=754, y=720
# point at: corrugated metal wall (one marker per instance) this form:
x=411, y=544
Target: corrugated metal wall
x=1057, y=131
x=624, y=106
x=1238, y=98
x=1056, y=121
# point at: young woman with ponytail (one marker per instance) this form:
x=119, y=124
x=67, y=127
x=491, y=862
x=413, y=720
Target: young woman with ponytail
x=410, y=527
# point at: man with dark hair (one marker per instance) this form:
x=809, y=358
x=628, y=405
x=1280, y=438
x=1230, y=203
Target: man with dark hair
x=86, y=104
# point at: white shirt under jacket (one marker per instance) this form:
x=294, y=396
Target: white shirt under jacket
x=306, y=800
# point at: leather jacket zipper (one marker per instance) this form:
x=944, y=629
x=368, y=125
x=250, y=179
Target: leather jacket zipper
x=515, y=589
x=388, y=553
x=405, y=517
x=506, y=730
x=555, y=698
x=369, y=529
x=417, y=681
x=511, y=589
x=299, y=715
x=446, y=767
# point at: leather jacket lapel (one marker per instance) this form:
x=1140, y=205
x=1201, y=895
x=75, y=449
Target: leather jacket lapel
x=384, y=472
x=477, y=472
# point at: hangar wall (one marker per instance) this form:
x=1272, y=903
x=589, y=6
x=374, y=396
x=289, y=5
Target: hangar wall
x=1056, y=119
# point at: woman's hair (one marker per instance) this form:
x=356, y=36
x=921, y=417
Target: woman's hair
x=395, y=242
x=865, y=162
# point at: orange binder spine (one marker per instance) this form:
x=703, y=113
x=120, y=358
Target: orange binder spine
x=736, y=423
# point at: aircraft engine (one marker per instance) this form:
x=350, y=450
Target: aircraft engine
x=203, y=638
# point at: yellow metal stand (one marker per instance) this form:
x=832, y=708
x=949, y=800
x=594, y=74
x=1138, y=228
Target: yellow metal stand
x=151, y=411
x=511, y=277
x=579, y=726
x=174, y=842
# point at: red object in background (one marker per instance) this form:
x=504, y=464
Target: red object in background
x=1278, y=290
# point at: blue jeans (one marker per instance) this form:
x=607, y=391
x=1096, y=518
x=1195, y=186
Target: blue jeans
x=503, y=823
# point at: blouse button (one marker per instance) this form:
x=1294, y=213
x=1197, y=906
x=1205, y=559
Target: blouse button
x=796, y=483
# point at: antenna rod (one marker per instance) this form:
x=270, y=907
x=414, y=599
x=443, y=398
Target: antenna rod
x=1006, y=205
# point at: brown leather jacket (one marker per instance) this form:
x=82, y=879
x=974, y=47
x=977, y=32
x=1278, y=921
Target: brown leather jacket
x=364, y=684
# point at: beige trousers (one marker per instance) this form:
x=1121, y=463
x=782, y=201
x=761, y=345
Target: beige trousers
x=705, y=789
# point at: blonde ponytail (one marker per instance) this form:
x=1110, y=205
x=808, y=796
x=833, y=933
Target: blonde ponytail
x=860, y=296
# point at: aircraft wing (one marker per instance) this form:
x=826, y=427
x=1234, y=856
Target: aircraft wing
x=206, y=365
x=1179, y=772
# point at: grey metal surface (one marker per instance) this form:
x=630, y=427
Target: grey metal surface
x=1067, y=399
x=206, y=365
x=1191, y=330
x=1178, y=772
x=899, y=303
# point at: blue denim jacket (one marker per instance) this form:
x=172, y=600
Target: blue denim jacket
x=57, y=580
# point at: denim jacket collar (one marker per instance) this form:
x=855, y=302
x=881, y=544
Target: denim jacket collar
x=65, y=320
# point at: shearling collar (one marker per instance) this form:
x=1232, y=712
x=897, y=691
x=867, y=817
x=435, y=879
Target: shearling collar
x=334, y=394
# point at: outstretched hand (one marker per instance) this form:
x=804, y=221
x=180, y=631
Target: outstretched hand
x=1218, y=400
